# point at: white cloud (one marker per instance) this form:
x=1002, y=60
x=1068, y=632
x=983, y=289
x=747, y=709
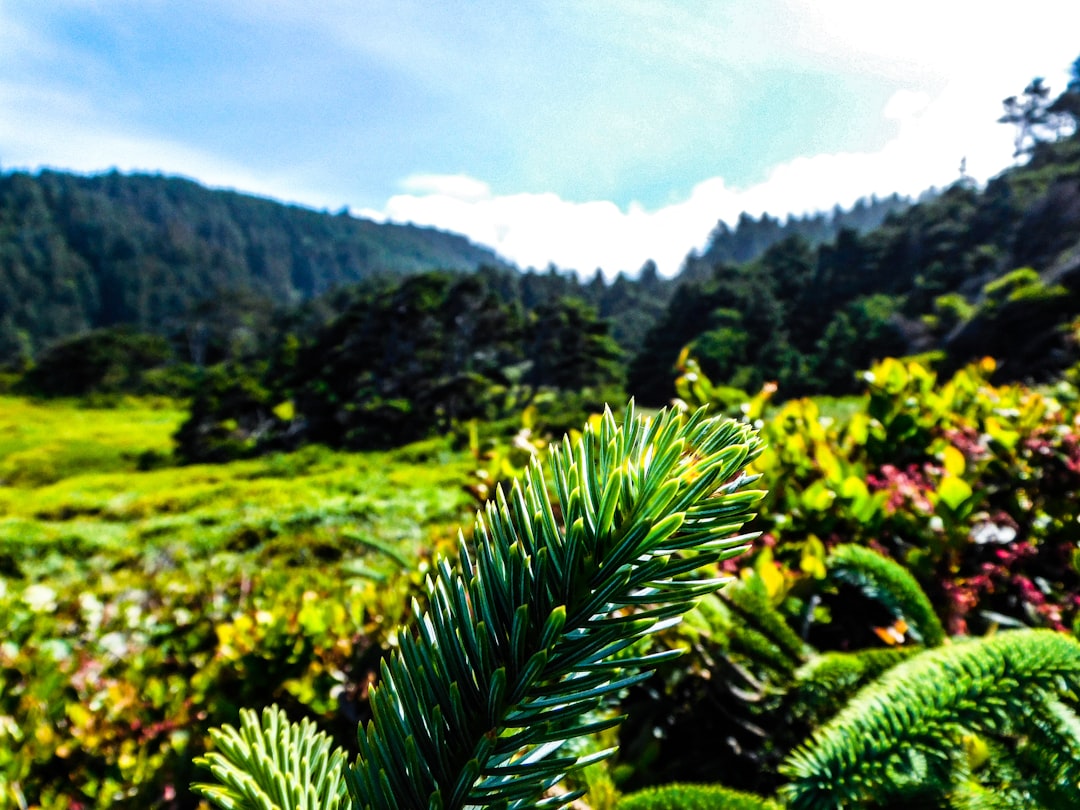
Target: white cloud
x=905, y=104
x=935, y=134
x=456, y=186
x=535, y=229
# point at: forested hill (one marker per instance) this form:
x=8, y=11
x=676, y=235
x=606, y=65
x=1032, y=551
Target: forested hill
x=156, y=253
x=970, y=273
x=80, y=252
x=749, y=238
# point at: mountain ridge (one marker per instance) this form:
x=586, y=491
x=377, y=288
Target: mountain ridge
x=79, y=252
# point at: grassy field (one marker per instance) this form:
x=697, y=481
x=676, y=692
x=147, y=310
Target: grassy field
x=41, y=444
x=143, y=600
x=75, y=489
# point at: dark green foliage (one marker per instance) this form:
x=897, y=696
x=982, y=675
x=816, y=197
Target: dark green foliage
x=232, y=325
x=631, y=306
x=795, y=316
x=104, y=361
x=402, y=360
x=652, y=372
x=860, y=332
x=888, y=582
x=694, y=797
x=232, y=416
x=735, y=325
x=569, y=348
x=901, y=737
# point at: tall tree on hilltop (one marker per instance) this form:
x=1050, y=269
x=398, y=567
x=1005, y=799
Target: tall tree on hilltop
x=1067, y=105
x=1028, y=113
x=1037, y=118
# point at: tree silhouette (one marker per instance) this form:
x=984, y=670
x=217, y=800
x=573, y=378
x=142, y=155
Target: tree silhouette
x=1028, y=112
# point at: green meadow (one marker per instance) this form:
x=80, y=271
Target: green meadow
x=81, y=485
x=142, y=600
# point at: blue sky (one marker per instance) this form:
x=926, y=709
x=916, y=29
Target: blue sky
x=595, y=133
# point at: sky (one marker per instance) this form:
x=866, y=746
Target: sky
x=589, y=134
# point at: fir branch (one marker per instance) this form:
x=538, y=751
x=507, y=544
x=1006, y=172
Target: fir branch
x=901, y=733
x=694, y=797
x=521, y=640
x=1051, y=751
x=828, y=681
x=272, y=764
x=759, y=628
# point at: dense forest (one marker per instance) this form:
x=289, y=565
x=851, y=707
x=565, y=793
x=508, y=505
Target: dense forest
x=165, y=255
x=287, y=325
x=80, y=253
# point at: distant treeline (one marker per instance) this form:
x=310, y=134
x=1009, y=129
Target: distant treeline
x=165, y=255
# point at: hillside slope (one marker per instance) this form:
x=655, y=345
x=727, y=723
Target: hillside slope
x=81, y=252
x=971, y=272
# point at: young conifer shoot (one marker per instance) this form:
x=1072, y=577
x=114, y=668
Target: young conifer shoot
x=534, y=628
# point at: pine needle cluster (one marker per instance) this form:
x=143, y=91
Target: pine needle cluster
x=530, y=632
